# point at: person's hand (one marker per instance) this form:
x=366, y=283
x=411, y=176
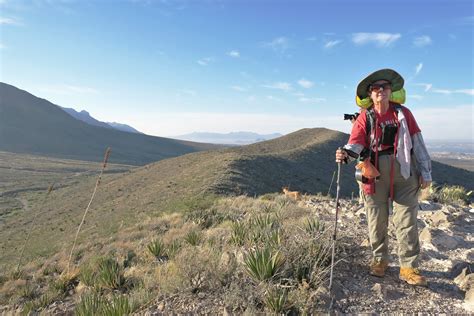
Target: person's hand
x=423, y=183
x=341, y=155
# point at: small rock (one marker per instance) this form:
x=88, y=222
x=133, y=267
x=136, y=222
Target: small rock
x=201, y=295
x=437, y=239
x=469, y=300
x=379, y=290
x=161, y=306
x=440, y=218
x=465, y=280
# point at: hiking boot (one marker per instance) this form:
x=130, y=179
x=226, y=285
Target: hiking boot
x=377, y=268
x=412, y=276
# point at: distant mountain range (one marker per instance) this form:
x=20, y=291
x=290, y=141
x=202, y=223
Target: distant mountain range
x=233, y=138
x=87, y=118
x=32, y=125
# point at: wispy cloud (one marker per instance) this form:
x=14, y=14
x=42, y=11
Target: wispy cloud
x=272, y=98
x=205, y=61
x=331, y=44
x=65, y=89
x=279, y=44
x=422, y=41
x=238, y=88
x=379, y=39
x=447, y=91
x=415, y=97
x=427, y=86
x=234, y=54
x=285, y=86
x=418, y=68
x=305, y=83
x=9, y=21
x=188, y=92
x=311, y=100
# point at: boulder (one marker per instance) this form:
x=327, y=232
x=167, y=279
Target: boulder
x=469, y=301
x=437, y=239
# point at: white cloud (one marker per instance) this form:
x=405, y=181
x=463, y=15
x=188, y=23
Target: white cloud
x=65, y=89
x=238, y=88
x=331, y=44
x=205, y=61
x=462, y=91
x=380, y=39
x=305, y=83
x=272, y=98
x=311, y=100
x=465, y=91
x=279, y=44
x=415, y=97
x=234, y=54
x=427, y=86
x=422, y=41
x=285, y=86
x=9, y=21
x=418, y=68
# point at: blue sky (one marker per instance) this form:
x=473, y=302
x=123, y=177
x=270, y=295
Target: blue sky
x=174, y=67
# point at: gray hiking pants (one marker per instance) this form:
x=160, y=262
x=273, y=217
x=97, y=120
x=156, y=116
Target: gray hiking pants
x=405, y=210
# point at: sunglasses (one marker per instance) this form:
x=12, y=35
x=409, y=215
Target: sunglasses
x=377, y=87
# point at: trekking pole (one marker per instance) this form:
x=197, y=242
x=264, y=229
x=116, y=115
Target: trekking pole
x=335, y=222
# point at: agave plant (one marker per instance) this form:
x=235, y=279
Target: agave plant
x=110, y=274
x=239, y=233
x=263, y=264
x=314, y=226
x=277, y=300
x=193, y=238
x=157, y=249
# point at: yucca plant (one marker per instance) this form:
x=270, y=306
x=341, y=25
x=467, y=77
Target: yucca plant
x=157, y=249
x=173, y=248
x=110, y=274
x=87, y=275
x=89, y=305
x=264, y=221
x=263, y=264
x=118, y=306
x=239, y=233
x=193, y=238
x=277, y=300
x=314, y=226
x=453, y=194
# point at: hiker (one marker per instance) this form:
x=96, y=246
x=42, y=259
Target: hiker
x=395, y=164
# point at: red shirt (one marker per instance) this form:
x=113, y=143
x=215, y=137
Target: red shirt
x=359, y=133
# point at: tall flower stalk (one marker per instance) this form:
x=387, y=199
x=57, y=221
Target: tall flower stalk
x=106, y=158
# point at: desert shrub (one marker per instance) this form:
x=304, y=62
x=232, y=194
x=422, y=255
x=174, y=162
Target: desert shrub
x=27, y=292
x=193, y=238
x=207, y=218
x=276, y=300
x=453, y=194
x=119, y=305
x=263, y=263
x=157, y=249
x=87, y=275
x=308, y=259
x=90, y=304
x=314, y=226
x=110, y=274
x=239, y=233
x=173, y=248
x=129, y=259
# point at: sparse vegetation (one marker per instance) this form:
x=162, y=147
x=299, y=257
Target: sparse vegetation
x=263, y=264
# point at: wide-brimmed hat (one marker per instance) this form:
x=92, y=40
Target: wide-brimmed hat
x=390, y=75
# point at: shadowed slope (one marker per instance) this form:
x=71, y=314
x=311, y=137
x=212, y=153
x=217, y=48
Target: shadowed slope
x=35, y=126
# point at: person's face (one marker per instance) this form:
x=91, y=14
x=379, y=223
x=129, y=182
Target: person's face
x=380, y=91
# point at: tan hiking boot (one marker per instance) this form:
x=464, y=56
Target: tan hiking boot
x=378, y=268
x=412, y=276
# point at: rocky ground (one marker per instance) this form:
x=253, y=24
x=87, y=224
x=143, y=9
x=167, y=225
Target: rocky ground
x=446, y=236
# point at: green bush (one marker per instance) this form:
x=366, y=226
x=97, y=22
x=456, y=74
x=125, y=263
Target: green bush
x=239, y=233
x=263, y=264
x=453, y=194
x=157, y=249
x=110, y=274
x=276, y=300
x=193, y=238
